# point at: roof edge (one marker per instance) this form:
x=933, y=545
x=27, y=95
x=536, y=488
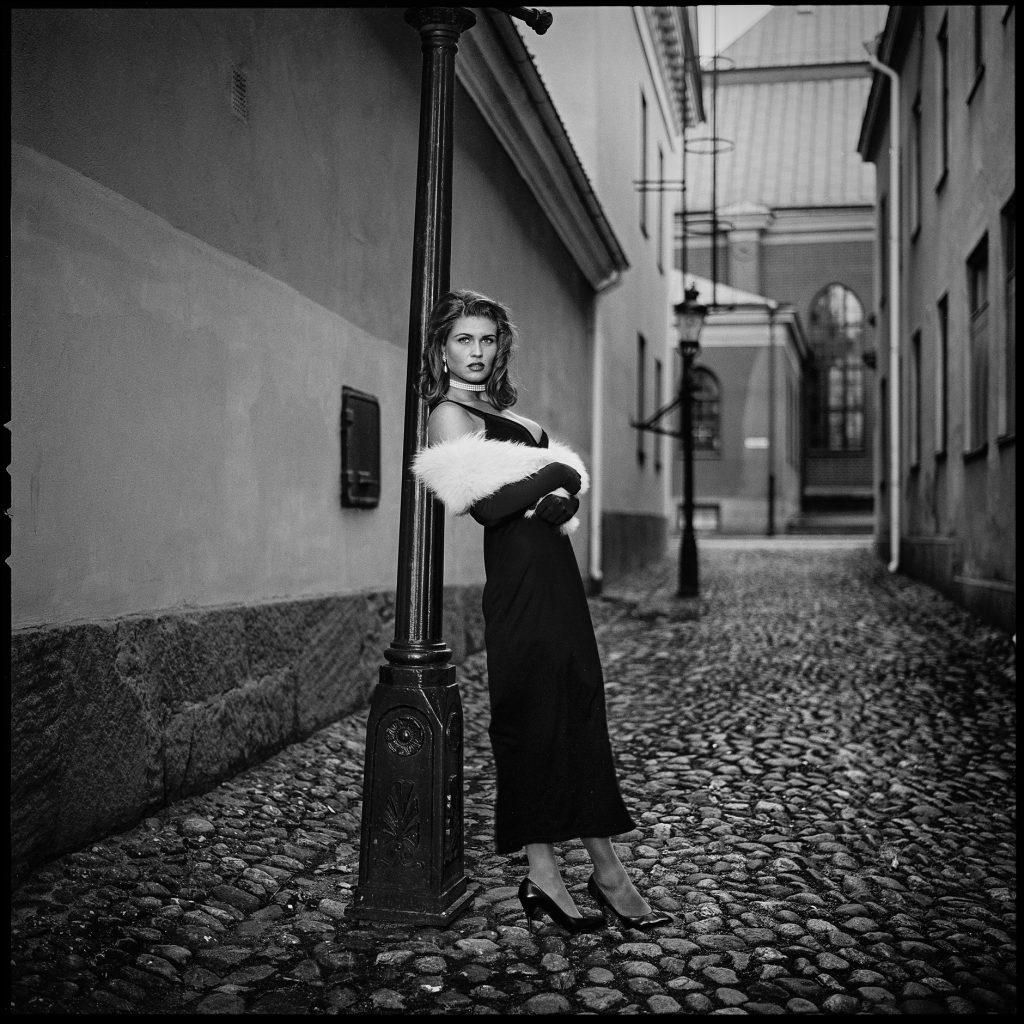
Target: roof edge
x=498, y=72
x=890, y=46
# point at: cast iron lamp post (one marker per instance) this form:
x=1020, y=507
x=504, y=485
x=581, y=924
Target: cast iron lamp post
x=411, y=850
x=689, y=321
x=411, y=842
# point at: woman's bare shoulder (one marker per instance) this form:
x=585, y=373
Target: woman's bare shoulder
x=448, y=421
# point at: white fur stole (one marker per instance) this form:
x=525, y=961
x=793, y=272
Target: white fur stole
x=466, y=469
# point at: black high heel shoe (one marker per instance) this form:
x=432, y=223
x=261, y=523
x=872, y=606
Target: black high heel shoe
x=645, y=923
x=534, y=900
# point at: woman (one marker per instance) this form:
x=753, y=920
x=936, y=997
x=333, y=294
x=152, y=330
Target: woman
x=555, y=776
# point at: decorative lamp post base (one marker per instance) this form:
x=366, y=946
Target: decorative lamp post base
x=689, y=578
x=411, y=846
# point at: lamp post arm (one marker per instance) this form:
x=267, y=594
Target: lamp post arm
x=655, y=417
x=538, y=20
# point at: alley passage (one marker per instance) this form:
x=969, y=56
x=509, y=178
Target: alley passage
x=822, y=767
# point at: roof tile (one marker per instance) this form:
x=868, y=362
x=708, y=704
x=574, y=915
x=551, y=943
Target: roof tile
x=794, y=144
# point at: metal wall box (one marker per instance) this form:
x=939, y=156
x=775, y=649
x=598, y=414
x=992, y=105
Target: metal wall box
x=360, y=449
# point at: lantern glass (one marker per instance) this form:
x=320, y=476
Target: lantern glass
x=689, y=322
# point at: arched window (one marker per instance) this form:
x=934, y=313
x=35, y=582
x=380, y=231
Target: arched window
x=837, y=390
x=707, y=417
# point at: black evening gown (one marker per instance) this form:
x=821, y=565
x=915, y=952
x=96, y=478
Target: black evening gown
x=555, y=774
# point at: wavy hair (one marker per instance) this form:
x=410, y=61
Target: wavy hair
x=433, y=383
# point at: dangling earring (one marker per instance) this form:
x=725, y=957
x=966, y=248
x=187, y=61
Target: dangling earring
x=444, y=360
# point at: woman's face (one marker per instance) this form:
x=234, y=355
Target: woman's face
x=471, y=348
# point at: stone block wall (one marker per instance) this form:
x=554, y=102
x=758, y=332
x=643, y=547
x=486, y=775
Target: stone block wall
x=112, y=720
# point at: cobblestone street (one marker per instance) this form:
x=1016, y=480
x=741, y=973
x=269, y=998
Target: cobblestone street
x=822, y=765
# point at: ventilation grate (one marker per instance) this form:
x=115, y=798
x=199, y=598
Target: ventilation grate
x=239, y=94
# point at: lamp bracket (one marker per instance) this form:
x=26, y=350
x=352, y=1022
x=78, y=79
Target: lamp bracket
x=649, y=424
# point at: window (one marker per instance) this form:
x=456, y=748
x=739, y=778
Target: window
x=707, y=425
x=942, y=377
x=641, y=395
x=658, y=399
x=978, y=47
x=792, y=424
x=661, y=208
x=979, y=40
x=914, y=167
x=914, y=404
x=976, y=392
x=239, y=93
x=643, y=163
x=883, y=432
x=837, y=395
x=677, y=374
x=943, y=41
x=883, y=249
x=1008, y=419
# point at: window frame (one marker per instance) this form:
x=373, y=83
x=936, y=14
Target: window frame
x=942, y=376
x=976, y=352
x=1008, y=405
x=978, y=47
x=914, y=165
x=883, y=250
x=659, y=384
x=661, y=210
x=706, y=411
x=914, y=404
x=837, y=351
x=944, y=134
x=643, y=163
x=641, y=397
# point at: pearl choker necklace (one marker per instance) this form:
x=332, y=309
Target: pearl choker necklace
x=452, y=383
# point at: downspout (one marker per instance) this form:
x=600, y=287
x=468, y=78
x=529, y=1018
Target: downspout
x=595, y=569
x=894, y=309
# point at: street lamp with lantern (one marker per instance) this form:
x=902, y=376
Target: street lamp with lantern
x=690, y=316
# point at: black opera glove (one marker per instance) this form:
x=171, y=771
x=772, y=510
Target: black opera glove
x=556, y=509
x=517, y=497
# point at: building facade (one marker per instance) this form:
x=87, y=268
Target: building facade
x=746, y=408
x=939, y=126
x=212, y=229
x=774, y=178
x=618, y=77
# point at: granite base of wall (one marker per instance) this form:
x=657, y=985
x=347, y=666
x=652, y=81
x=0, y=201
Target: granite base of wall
x=112, y=720
x=932, y=560
x=992, y=601
x=629, y=542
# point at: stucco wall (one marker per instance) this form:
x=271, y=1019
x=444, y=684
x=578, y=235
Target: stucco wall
x=190, y=293
x=176, y=418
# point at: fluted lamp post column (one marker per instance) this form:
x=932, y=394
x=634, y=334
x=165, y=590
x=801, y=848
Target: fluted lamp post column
x=411, y=867
x=411, y=844
x=689, y=321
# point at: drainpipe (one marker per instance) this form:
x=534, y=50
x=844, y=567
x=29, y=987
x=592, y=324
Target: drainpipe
x=595, y=569
x=894, y=309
